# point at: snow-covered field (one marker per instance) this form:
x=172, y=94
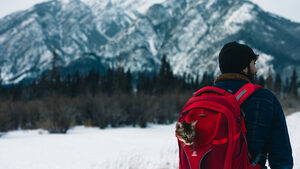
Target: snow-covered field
x=91, y=148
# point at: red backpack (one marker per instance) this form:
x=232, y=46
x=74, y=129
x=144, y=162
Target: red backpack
x=220, y=141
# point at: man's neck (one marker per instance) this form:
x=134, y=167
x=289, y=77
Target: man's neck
x=232, y=76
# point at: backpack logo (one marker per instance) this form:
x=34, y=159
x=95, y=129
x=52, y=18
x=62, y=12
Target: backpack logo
x=194, y=154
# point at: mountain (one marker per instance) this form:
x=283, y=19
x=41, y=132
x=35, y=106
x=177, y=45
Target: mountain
x=136, y=33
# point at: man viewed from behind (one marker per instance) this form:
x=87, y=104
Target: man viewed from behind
x=267, y=133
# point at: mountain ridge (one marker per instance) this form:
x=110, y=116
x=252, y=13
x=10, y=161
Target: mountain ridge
x=190, y=33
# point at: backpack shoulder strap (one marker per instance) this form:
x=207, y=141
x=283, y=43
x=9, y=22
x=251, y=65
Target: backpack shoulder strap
x=245, y=91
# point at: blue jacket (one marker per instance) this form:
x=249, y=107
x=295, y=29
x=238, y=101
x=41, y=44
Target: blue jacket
x=267, y=133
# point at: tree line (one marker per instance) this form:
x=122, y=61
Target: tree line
x=112, y=98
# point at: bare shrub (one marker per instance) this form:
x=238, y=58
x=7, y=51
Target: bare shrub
x=56, y=114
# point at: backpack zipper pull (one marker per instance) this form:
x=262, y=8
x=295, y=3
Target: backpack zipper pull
x=202, y=114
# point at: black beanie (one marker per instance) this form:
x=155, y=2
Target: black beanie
x=235, y=57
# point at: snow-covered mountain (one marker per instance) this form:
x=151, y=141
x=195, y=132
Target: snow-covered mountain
x=136, y=33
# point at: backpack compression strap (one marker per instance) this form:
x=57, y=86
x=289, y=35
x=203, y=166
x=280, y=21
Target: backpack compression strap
x=245, y=92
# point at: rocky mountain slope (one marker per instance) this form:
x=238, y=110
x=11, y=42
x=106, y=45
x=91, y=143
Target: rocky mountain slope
x=136, y=33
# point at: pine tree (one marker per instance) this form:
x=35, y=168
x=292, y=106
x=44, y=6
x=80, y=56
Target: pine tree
x=207, y=79
x=152, y=82
x=197, y=82
x=277, y=85
x=109, y=81
x=165, y=77
x=293, y=85
x=145, y=84
x=75, y=84
x=261, y=81
x=53, y=77
x=43, y=86
x=1, y=88
x=269, y=80
x=123, y=81
x=128, y=82
x=67, y=85
x=286, y=86
x=92, y=81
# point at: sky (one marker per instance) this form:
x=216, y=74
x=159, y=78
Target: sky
x=286, y=8
x=9, y=6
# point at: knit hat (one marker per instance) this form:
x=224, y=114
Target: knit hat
x=235, y=57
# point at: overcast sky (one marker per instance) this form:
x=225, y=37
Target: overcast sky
x=9, y=6
x=286, y=8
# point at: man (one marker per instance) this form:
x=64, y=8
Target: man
x=267, y=133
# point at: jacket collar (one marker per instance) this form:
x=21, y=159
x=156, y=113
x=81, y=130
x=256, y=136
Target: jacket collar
x=232, y=76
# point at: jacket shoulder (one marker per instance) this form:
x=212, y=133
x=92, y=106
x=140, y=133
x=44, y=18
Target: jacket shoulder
x=262, y=99
x=265, y=94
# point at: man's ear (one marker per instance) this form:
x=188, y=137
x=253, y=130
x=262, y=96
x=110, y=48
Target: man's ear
x=245, y=70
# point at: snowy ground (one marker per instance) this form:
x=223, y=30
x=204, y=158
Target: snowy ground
x=92, y=148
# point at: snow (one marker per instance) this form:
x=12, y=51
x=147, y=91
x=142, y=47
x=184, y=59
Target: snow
x=92, y=148
x=142, y=7
x=294, y=131
x=208, y=5
x=6, y=74
x=47, y=56
x=152, y=46
x=2, y=39
x=89, y=148
x=65, y=1
x=188, y=39
x=28, y=21
x=288, y=8
x=262, y=61
x=11, y=6
x=243, y=14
